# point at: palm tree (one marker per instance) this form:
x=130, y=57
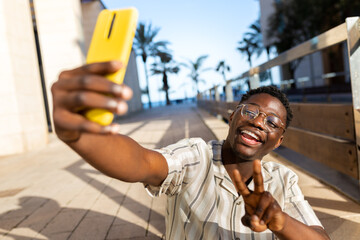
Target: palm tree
x=145, y=46
x=222, y=68
x=196, y=68
x=256, y=38
x=248, y=47
x=164, y=67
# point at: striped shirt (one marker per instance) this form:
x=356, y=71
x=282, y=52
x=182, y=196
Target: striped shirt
x=202, y=202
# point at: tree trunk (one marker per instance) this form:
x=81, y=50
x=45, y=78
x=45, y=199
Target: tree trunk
x=292, y=69
x=197, y=87
x=223, y=73
x=249, y=60
x=147, y=84
x=166, y=88
x=269, y=70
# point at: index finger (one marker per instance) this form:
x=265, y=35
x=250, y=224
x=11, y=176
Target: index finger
x=101, y=68
x=240, y=185
x=258, y=178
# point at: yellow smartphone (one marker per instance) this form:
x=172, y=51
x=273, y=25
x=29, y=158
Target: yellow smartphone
x=112, y=40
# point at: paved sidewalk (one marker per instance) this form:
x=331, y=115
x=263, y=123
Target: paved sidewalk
x=51, y=193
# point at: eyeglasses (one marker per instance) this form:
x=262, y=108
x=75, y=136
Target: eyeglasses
x=251, y=112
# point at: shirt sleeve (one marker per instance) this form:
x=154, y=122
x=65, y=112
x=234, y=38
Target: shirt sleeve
x=295, y=204
x=184, y=160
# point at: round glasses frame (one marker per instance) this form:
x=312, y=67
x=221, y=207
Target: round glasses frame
x=270, y=129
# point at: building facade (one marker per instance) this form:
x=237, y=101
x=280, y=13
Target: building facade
x=39, y=39
x=321, y=72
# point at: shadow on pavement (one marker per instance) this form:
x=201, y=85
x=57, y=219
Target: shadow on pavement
x=134, y=206
x=63, y=225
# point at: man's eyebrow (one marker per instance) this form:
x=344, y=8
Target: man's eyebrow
x=255, y=104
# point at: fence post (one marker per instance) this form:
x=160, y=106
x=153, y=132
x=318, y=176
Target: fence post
x=229, y=92
x=217, y=95
x=254, y=81
x=353, y=39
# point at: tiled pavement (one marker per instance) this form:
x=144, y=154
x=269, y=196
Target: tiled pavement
x=51, y=193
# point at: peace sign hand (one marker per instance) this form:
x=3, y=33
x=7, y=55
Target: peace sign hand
x=262, y=210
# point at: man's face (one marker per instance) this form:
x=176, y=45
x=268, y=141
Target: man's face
x=250, y=139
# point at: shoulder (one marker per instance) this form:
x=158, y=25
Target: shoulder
x=274, y=166
x=282, y=183
x=277, y=170
x=187, y=142
x=184, y=145
x=186, y=161
x=186, y=151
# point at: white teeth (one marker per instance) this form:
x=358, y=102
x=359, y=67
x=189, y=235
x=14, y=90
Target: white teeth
x=251, y=134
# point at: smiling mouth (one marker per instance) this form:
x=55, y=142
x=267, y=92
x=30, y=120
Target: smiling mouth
x=250, y=138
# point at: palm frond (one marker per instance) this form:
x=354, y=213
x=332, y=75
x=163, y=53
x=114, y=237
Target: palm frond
x=200, y=60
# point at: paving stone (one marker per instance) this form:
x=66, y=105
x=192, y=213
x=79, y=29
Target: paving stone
x=64, y=223
x=343, y=228
x=127, y=230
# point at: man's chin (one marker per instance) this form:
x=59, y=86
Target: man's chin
x=243, y=152
x=245, y=155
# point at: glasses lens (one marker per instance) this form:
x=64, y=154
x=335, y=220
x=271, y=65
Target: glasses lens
x=272, y=122
x=249, y=112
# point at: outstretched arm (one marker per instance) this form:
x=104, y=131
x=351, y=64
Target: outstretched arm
x=263, y=212
x=113, y=154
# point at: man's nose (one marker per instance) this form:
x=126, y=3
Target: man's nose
x=259, y=121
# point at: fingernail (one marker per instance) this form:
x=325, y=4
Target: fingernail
x=115, y=129
x=262, y=222
x=107, y=129
x=121, y=108
x=117, y=89
x=116, y=64
x=127, y=93
x=112, y=104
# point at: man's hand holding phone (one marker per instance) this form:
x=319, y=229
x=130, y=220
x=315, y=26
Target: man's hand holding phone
x=86, y=88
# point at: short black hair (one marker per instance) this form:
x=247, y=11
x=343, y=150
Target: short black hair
x=275, y=92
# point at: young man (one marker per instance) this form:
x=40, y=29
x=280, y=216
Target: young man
x=219, y=190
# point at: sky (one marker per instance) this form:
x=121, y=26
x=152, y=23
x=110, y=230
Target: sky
x=195, y=28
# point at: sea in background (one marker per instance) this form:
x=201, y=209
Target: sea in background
x=173, y=102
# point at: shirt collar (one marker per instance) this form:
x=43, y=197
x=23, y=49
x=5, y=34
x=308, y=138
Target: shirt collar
x=225, y=180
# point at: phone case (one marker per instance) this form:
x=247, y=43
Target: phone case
x=112, y=40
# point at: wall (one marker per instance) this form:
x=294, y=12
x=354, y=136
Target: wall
x=23, y=123
x=266, y=10
x=90, y=11
x=61, y=38
x=22, y=118
x=132, y=80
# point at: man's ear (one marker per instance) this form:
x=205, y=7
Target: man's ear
x=231, y=117
x=279, y=142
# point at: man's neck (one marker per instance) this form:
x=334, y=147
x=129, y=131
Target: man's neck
x=232, y=162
